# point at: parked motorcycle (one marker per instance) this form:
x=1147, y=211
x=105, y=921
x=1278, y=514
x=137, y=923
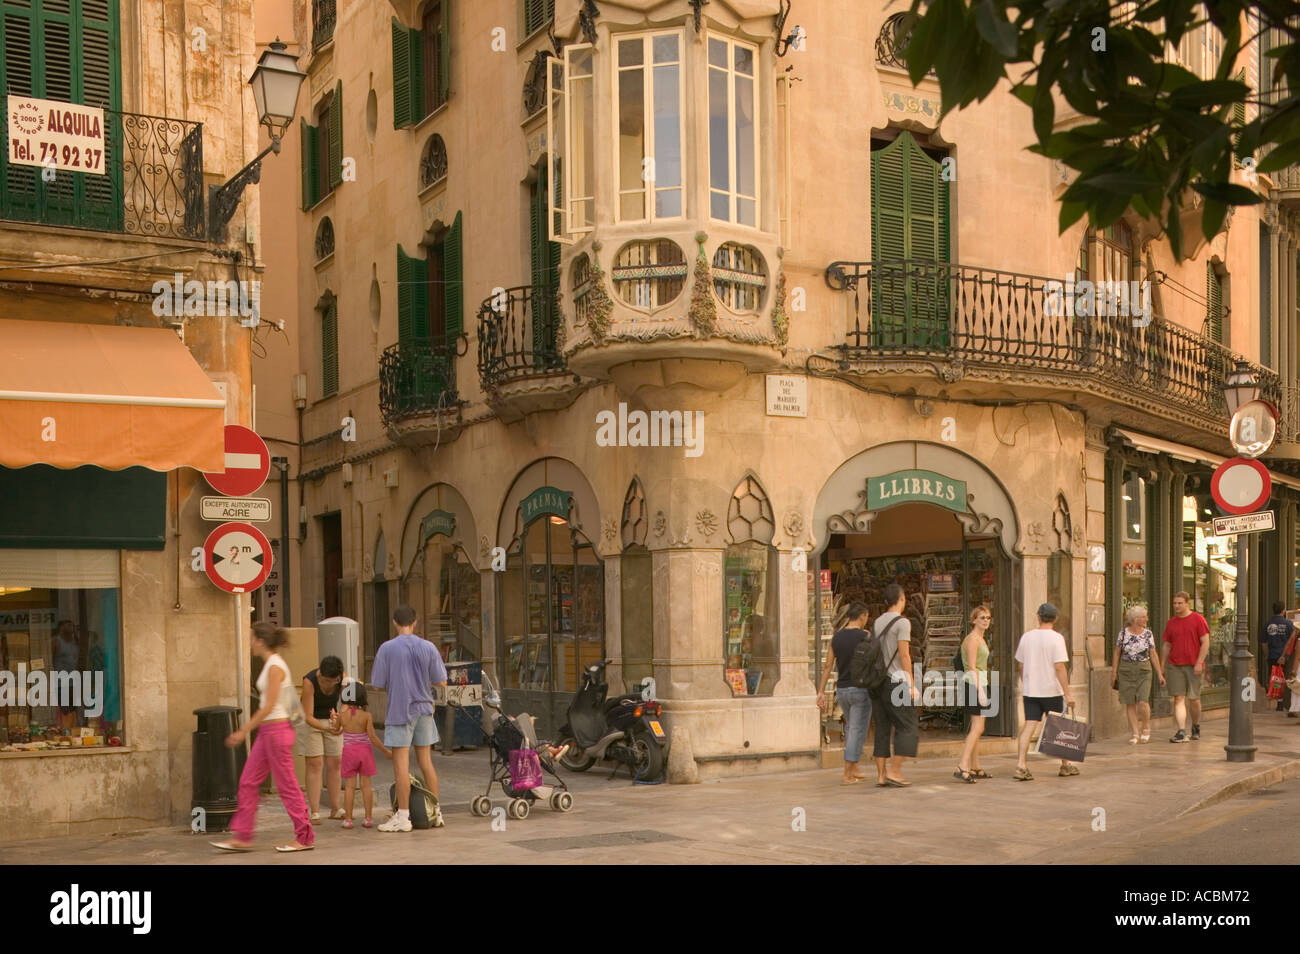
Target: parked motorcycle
x=625, y=729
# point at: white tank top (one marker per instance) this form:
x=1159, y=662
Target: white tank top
x=278, y=711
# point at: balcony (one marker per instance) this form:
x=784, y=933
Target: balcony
x=417, y=393
x=153, y=187
x=1286, y=186
x=973, y=328
x=519, y=361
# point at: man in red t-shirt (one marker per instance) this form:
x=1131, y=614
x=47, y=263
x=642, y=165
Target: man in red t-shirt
x=1187, y=643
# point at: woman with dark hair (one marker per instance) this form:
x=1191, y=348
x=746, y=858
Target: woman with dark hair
x=272, y=751
x=854, y=701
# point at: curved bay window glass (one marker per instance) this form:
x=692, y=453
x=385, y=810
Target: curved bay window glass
x=751, y=631
x=739, y=277
x=648, y=93
x=649, y=274
x=1210, y=575
x=552, y=613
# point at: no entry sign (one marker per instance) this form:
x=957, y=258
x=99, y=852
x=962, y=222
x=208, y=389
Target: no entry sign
x=237, y=557
x=247, y=463
x=1240, y=485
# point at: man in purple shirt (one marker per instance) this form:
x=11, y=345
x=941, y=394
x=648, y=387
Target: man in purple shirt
x=407, y=666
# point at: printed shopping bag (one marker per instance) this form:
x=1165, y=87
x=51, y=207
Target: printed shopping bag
x=1276, y=683
x=525, y=769
x=1064, y=737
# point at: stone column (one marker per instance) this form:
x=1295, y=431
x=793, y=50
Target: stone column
x=1272, y=296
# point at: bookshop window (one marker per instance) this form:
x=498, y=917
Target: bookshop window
x=453, y=615
x=751, y=631
x=636, y=584
x=60, y=648
x=1210, y=576
x=1135, y=557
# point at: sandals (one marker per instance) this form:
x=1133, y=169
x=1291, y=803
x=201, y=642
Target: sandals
x=1146, y=736
x=337, y=814
x=1023, y=775
x=294, y=846
x=963, y=776
x=347, y=823
x=231, y=845
x=851, y=780
x=367, y=824
x=980, y=773
x=1133, y=740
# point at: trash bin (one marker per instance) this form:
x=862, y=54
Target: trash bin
x=216, y=767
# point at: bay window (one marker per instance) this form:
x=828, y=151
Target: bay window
x=570, y=124
x=733, y=153
x=648, y=98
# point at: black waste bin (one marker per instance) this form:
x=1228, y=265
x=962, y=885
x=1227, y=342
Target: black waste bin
x=217, y=767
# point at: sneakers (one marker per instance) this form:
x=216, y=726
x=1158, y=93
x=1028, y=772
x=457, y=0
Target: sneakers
x=1067, y=770
x=1196, y=732
x=1180, y=736
x=400, y=821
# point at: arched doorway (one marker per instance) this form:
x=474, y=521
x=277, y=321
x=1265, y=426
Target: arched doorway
x=439, y=578
x=551, y=596
x=938, y=523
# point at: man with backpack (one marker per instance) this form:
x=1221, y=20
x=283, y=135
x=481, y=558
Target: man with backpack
x=883, y=666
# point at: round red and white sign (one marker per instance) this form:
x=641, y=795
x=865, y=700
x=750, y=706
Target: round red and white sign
x=237, y=557
x=247, y=463
x=1240, y=485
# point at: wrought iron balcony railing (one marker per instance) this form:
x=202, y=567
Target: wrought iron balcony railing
x=417, y=377
x=517, y=335
x=152, y=185
x=1288, y=428
x=323, y=15
x=996, y=320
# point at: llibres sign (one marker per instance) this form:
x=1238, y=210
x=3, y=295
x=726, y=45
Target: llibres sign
x=916, y=486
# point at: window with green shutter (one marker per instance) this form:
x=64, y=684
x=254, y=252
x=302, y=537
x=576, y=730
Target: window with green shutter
x=1214, y=304
x=322, y=150
x=436, y=54
x=408, y=76
x=310, y=164
x=429, y=316
x=329, y=340
x=334, y=120
x=909, y=247
x=65, y=50
x=545, y=257
x=537, y=13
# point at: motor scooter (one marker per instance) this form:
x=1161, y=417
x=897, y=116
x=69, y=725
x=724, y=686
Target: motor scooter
x=625, y=729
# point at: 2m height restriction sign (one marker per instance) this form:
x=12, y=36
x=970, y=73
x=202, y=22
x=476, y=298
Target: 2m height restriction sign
x=247, y=463
x=237, y=557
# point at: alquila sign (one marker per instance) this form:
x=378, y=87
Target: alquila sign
x=916, y=486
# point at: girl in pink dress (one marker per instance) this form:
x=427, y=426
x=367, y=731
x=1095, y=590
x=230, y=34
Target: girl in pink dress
x=358, y=758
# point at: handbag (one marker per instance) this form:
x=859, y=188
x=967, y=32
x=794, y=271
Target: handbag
x=1276, y=683
x=1064, y=737
x=525, y=770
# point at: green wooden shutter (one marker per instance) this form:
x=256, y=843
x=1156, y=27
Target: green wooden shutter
x=453, y=278
x=329, y=333
x=1214, y=303
x=336, y=136
x=20, y=195
x=1239, y=109
x=402, y=85
x=444, y=56
x=99, y=198
x=909, y=220
x=310, y=165
x=415, y=55
x=412, y=297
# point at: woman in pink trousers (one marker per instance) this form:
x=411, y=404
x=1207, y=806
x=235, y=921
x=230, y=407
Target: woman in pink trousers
x=272, y=751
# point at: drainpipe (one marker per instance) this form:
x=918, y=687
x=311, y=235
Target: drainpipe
x=285, y=586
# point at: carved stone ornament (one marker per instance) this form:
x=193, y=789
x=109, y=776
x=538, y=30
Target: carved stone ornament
x=484, y=548
x=609, y=529
x=707, y=523
x=793, y=523
x=1035, y=533
x=953, y=371
x=660, y=524
x=1079, y=541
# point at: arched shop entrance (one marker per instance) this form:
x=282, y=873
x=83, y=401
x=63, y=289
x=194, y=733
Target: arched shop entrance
x=938, y=523
x=439, y=579
x=551, y=597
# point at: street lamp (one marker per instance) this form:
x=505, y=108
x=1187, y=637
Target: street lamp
x=1241, y=387
x=276, y=82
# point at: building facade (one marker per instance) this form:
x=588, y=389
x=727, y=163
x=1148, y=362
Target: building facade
x=120, y=374
x=656, y=331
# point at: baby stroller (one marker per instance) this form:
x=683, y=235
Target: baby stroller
x=506, y=734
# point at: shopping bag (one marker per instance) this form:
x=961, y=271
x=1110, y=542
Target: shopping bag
x=525, y=769
x=1276, y=683
x=1064, y=737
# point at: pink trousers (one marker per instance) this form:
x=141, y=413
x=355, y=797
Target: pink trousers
x=272, y=754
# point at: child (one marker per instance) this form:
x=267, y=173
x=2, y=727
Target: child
x=358, y=758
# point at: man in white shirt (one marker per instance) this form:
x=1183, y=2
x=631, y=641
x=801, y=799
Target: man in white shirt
x=1044, y=684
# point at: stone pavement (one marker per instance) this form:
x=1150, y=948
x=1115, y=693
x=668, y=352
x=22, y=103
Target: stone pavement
x=754, y=819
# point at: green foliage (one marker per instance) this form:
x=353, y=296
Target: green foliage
x=1153, y=134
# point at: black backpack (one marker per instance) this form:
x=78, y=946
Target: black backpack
x=868, y=668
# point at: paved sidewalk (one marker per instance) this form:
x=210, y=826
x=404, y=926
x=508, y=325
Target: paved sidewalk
x=754, y=819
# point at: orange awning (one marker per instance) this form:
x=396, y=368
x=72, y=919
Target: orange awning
x=112, y=396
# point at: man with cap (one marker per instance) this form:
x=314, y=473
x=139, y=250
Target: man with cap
x=1041, y=658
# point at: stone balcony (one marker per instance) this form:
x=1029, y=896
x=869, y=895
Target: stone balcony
x=417, y=393
x=520, y=364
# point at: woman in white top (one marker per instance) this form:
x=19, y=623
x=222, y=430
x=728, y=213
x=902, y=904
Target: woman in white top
x=272, y=751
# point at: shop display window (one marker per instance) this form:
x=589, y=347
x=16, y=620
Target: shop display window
x=1136, y=554
x=750, y=608
x=60, y=649
x=1210, y=576
x=637, y=585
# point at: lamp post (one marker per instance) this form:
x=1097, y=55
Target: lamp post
x=1241, y=387
x=276, y=82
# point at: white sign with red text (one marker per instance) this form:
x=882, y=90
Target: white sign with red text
x=54, y=135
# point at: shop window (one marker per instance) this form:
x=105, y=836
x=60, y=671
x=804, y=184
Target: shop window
x=1135, y=557
x=450, y=601
x=751, y=630
x=733, y=153
x=1210, y=576
x=570, y=126
x=60, y=648
x=649, y=274
x=739, y=277
x=433, y=161
x=322, y=149
x=648, y=104
x=637, y=589
x=421, y=65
